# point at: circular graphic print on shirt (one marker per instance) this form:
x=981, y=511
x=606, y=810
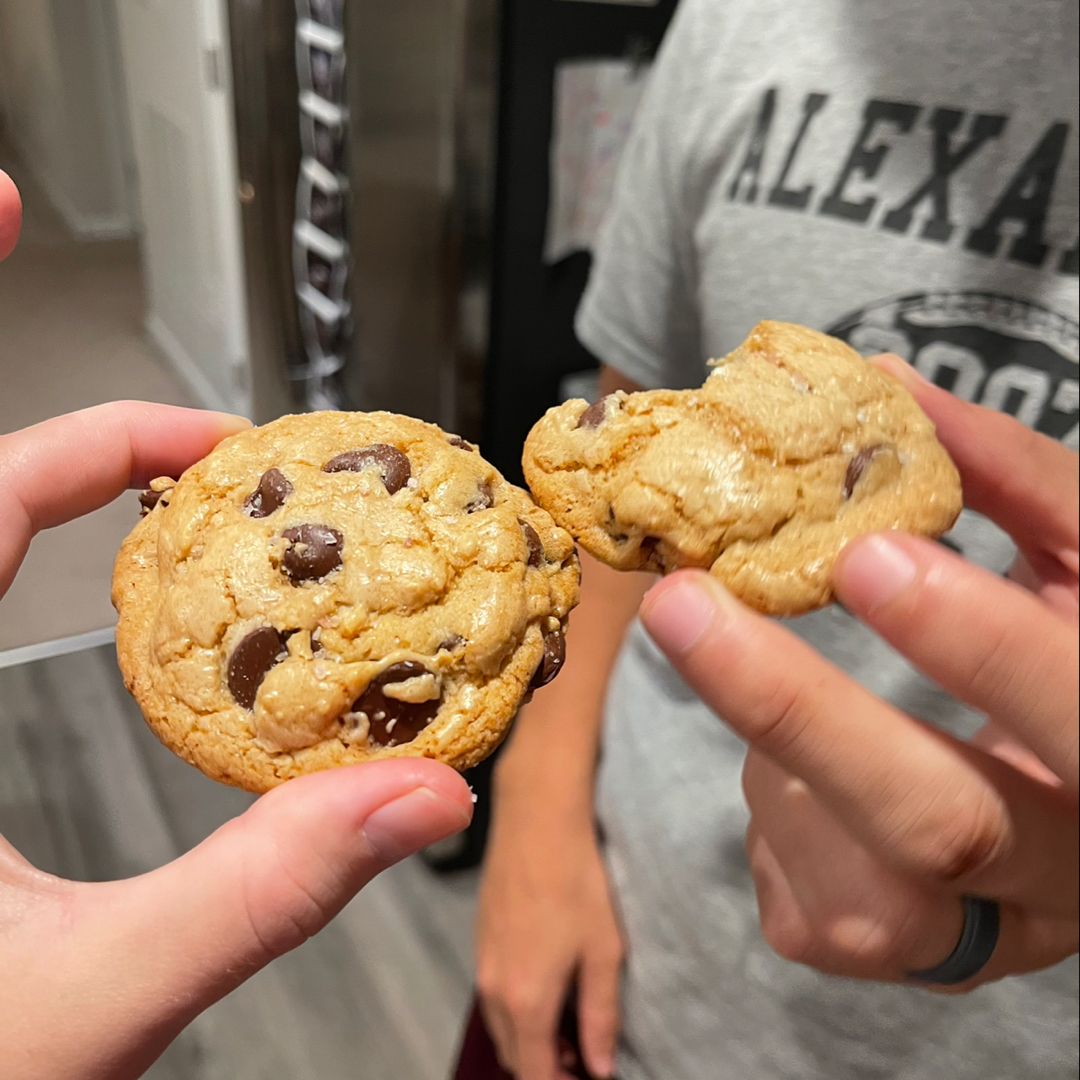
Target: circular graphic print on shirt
x=1002, y=352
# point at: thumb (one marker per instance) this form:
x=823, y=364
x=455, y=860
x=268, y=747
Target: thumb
x=187, y=934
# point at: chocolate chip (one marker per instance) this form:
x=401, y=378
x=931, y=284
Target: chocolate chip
x=274, y=488
x=392, y=722
x=460, y=443
x=454, y=641
x=256, y=654
x=594, y=415
x=534, y=544
x=484, y=498
x=148, y=499
x=552, y=660
x=313, y=552
x=650, y=548
x=392, y=464
x=857, y=466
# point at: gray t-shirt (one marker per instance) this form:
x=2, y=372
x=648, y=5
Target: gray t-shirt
x=903, y=176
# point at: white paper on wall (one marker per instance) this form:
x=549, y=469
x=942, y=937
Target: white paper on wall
x=595, y=102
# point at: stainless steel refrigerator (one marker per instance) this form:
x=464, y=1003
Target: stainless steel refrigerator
x=393, y=159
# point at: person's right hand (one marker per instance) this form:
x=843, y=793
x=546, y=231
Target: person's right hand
x=546, y=920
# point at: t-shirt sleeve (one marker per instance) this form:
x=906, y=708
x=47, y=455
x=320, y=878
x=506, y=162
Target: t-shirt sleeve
x=639, y=314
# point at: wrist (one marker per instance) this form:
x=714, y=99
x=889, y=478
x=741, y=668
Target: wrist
x=538, y=775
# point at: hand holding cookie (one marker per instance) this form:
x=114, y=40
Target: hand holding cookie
x=870, y=827
x=100, y=990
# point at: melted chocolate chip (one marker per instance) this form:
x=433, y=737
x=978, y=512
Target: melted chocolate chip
x=594, y=415
x=454, y=641
x=552, y=661
x=534, y=544
x=256, y=654
x=392, y=722
x=650, y=549
x=484, y=498
x=392, y=464
x=274, y=488
x=313, y=552
x=857, y=466
x=148, y=499
x=460, y=443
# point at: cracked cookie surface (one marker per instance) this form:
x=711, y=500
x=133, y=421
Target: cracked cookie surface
x=792, y=447
x=337, y=587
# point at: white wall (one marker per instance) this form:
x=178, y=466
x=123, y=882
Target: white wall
x=64, y=109
x=181, y=120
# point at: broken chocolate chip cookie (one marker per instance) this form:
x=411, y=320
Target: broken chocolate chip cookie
x=792, y=447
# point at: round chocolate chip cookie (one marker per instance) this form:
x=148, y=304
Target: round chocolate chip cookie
x=337, y=587
x=793, y=446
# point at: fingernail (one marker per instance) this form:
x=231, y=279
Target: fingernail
x=898, y=369
x=679, y=611
x=235, y=422
x=412, y=822
x=872, y=571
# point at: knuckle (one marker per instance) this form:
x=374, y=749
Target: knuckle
x=966, y=846
x=281, y=908
x=275, y=931
x=487, y=984
x=524, y=1004
x=781, y=718
x=870, y=943
x=992, y=673
x=791, y=939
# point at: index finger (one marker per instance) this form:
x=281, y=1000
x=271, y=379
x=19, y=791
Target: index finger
x=1024, y=481
x=65, y=467
x=925, y=803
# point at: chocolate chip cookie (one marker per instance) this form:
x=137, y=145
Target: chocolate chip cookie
x=793, y=446
x=337, y=587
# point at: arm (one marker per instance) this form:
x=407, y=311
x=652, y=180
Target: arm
x=556, y=739
x=544, y=907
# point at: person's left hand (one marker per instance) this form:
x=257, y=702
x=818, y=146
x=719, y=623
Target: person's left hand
x=868, y=826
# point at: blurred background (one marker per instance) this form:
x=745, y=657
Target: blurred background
x=271, y=206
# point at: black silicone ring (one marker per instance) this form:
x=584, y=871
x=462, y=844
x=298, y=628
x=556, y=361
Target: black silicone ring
x=978, y=939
